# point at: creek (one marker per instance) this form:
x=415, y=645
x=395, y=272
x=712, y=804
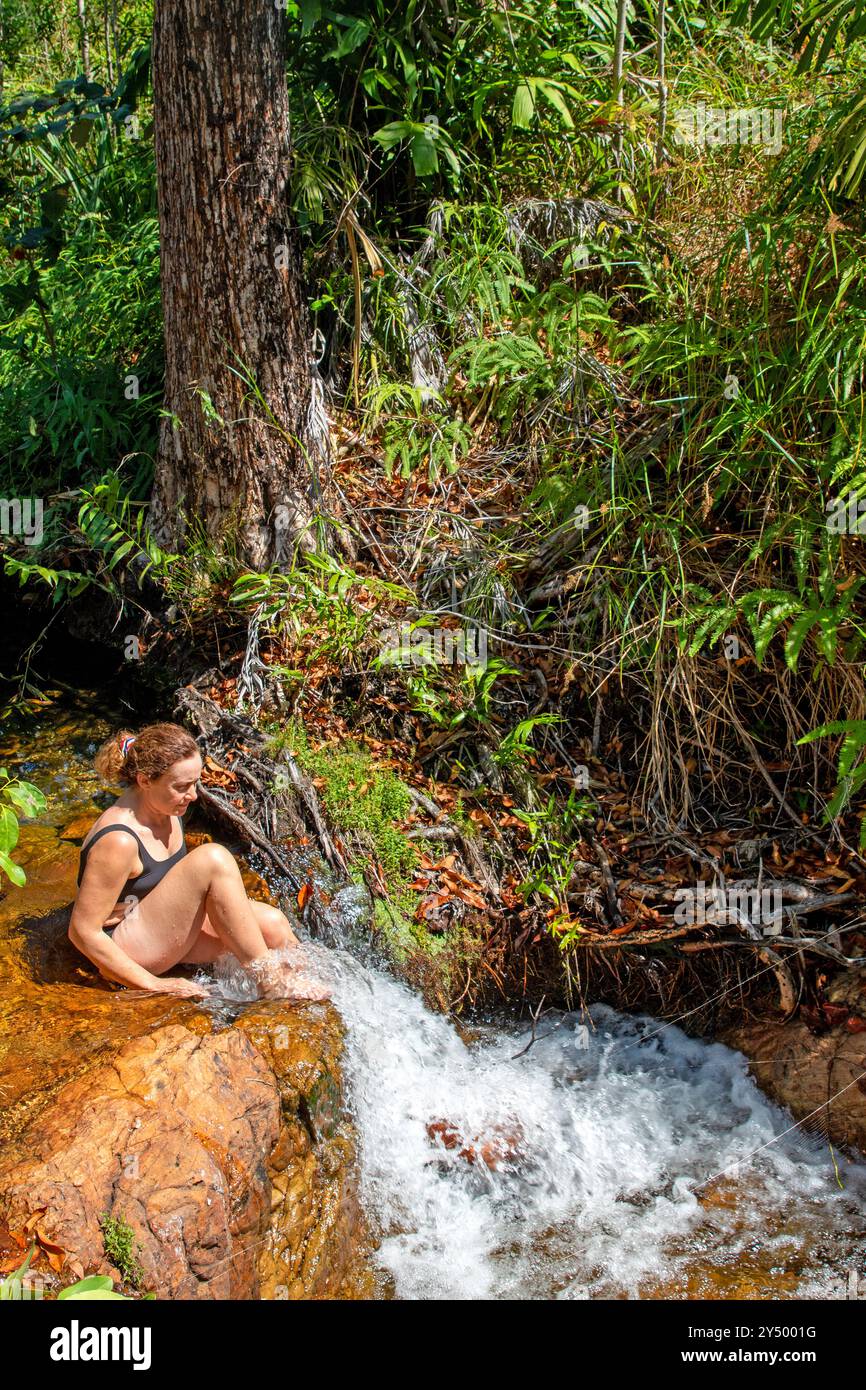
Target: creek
x=608, y=1156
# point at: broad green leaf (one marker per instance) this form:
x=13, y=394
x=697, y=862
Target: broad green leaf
x=12, y=871
x=523, y=107
x=424, y=157
x=551, y=93
x=393, y=133
x=97, y=1295
x=8, y=829
x=351, y=38
x=86, y=1286
x=29, y=799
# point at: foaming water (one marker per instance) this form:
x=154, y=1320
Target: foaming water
x=624, y=1159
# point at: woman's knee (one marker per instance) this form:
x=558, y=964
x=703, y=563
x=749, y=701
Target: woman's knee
x=274, y=926
x=214, y=859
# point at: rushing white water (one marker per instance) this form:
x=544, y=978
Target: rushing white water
x=605, y=1135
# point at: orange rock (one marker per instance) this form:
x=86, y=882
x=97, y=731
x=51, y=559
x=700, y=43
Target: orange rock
x=800, y=1070
x=78, y=828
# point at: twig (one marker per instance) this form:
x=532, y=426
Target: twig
x=803, y=943
x=609, y=882
x=307, y=793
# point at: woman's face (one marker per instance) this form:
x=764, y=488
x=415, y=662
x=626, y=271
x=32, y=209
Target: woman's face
x=175, y=789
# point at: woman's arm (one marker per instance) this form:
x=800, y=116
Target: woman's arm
x=107, y=869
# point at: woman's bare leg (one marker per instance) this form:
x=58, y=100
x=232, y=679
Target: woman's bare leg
x=165, y=926
x=275, y=928
x=285, y=974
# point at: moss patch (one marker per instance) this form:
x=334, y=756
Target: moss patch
x=121, y=1247
x=358, y=795
x=365, y=798
x=403, y=935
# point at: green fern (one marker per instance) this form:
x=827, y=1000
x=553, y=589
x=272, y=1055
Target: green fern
x=114, y=525
x=851, y=774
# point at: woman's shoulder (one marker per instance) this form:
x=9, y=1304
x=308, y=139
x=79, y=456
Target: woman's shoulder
x=112, y=816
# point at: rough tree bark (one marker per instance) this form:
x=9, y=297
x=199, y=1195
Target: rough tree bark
x=247, y=455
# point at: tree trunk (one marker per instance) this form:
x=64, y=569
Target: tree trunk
x=663, y=86
x=244, y=444
x=118, y=65
x=106, y=29
x=85, y=40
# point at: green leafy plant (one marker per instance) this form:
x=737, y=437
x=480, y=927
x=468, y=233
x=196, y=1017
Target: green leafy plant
x=516, y=746
x=16, y=796
x=114, y=525
x=426, y=142
x=98, y=1287
x=62, y=583
x=554, y=830
x=118, y=1239
x=95, y=1287
x=12, y=1287
x=480, y=683
x=824, y=26
x=318, y=595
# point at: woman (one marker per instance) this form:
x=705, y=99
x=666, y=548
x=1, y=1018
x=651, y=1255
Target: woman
x=145, y=904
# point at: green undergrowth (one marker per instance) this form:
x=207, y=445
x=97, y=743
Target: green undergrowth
x=434, y=963
x=360, y=796
x=365, y=799
x=392, y=918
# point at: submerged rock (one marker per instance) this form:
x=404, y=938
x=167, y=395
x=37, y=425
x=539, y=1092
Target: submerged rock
x=502, y=1145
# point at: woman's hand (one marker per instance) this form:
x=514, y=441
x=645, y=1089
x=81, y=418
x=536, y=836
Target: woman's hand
x=175, y=984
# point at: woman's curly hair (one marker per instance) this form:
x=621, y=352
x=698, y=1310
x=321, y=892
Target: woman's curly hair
x=152, y=753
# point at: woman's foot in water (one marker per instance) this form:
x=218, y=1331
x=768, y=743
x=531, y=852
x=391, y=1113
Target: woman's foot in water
x=278, y=978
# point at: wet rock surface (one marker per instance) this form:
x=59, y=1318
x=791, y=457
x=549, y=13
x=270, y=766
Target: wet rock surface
x=226, y=1155
x=815, y=1065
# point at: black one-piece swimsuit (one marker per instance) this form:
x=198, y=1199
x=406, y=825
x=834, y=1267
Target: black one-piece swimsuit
x=154, y=869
